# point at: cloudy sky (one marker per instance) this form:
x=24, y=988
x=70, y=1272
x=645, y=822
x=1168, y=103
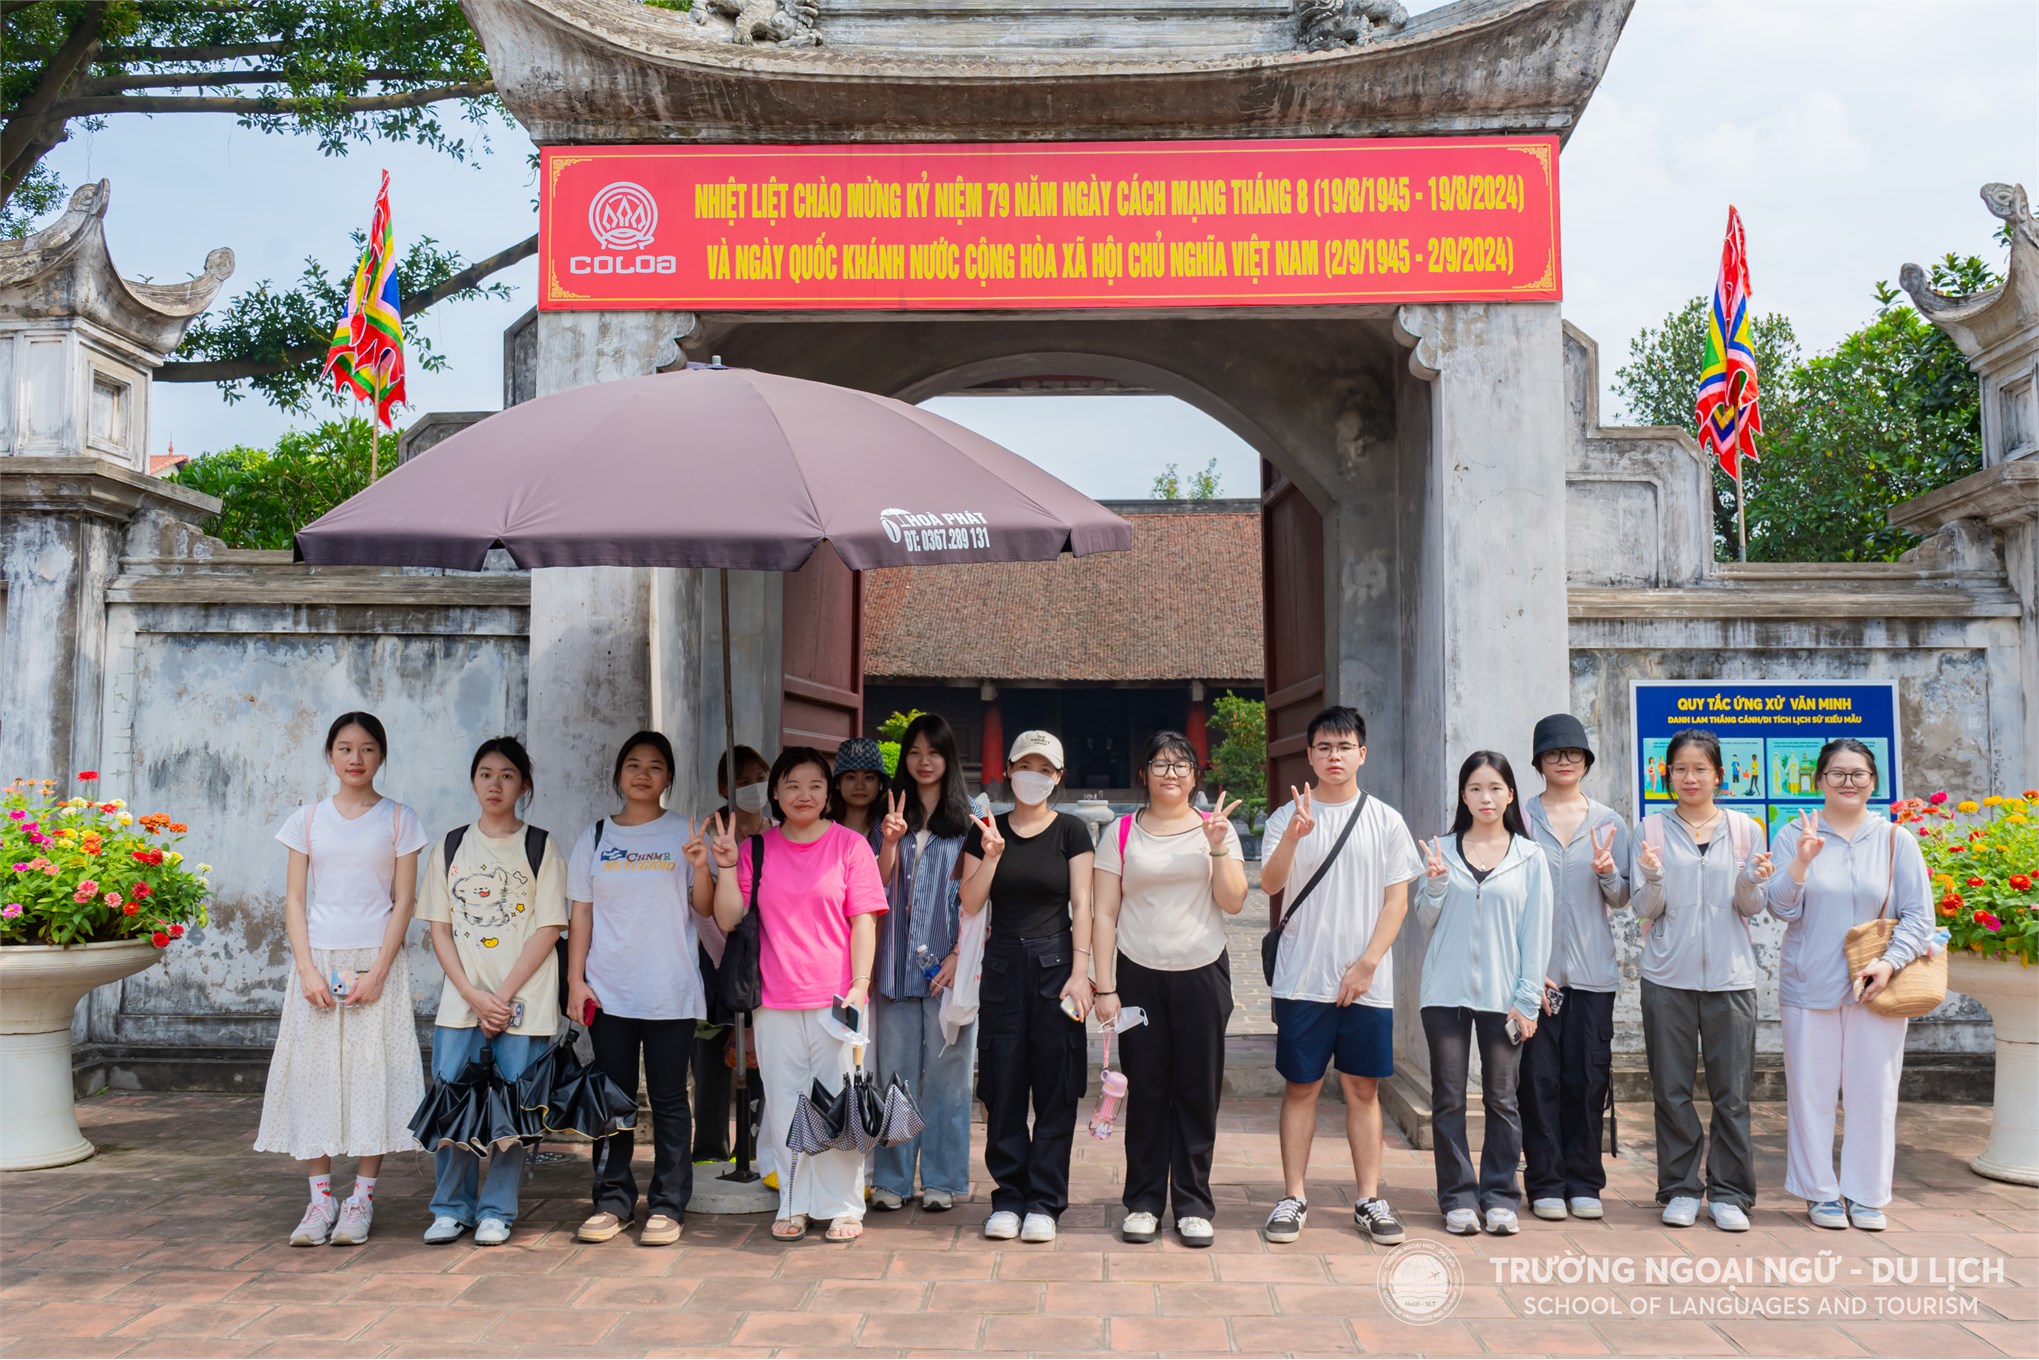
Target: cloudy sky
x=1852, y=136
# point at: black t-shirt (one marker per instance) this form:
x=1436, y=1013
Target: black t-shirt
x=1030, y=891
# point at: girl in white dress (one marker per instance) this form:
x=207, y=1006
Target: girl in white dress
x=346, y=1073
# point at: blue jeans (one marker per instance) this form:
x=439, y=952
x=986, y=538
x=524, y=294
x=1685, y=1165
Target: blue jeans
x=910, y=1044
x=460, y=1192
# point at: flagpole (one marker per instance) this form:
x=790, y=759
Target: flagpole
x=1741, y=517
x=375, y=427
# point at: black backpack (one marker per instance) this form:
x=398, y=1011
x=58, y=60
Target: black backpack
x=534, y=845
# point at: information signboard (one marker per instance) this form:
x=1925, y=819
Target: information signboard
x=1770, y=735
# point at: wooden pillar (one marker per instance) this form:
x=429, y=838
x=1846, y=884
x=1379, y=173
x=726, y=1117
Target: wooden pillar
x=1195, y=727
x=993, y=757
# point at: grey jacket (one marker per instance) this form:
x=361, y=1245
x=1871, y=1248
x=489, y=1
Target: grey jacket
x=1582, y=941
x=1488, y=940
x=1844, y=887
x=1696, y=912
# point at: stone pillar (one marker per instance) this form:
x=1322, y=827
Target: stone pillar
x=591, y=627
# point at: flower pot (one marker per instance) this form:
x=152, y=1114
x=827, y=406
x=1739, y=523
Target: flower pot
x=39, y=990
x=2011, y=992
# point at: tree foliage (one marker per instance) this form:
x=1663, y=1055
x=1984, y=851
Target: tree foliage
x=1888, y=414
x=1239, y=761
x=267, y=495
x=1206, y=485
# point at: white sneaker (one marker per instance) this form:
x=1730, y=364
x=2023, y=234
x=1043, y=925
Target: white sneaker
x=1729, y=1217
x=1140, y=1227
x=1038, y=1228
x=1502, y=1222
x=315, y=1227
x=444, y=1229
x=1586, y=1206
x=1548, y=1208
x=1681, y=1212
x=1461, y=1222
x=1002, y=1226
x=1195, y=1232
x=491, y=1232
x=356, y=1217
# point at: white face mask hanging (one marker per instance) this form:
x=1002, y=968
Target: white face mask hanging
x=750, y=797
x=1031, y=787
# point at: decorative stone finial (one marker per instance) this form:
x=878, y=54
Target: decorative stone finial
x=1327, y=25
x=783, y=23
x=2005, y=201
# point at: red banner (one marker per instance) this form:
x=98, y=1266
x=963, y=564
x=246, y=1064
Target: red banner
x=1059, y=225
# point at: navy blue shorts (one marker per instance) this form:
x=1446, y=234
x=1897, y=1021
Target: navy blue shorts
x=1309, y=1035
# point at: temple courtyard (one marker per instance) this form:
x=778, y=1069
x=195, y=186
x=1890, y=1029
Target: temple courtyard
x=171, y=1242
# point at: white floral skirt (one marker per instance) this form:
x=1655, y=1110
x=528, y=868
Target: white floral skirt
x=344, y=1081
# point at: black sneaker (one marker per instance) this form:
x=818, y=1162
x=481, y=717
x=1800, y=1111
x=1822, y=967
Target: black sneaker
x=1374, y=1218
x=1285, y=1224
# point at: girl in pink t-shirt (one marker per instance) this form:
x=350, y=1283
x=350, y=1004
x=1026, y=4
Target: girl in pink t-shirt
x=818, y=903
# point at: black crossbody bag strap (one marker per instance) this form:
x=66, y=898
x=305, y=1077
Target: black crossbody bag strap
x=1324, y=868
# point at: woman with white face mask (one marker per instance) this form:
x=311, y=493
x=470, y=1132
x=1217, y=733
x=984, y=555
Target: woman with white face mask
x=1033, y=865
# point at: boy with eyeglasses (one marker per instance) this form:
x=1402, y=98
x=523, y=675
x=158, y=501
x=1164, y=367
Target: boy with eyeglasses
x=1343, y=862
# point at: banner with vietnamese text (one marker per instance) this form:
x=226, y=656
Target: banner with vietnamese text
x=1049, y=226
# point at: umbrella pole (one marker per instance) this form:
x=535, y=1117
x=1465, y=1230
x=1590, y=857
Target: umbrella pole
x=740, y=1087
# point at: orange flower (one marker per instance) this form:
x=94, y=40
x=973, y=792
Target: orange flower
x=178, y=828
x=1948, y=913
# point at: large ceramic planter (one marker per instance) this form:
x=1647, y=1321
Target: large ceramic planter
x=39, y=990
x=2011, y=992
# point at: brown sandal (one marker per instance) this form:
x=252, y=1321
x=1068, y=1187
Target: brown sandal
x=845, y=1230
x=790, y=1229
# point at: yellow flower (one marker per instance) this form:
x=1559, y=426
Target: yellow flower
x=1993, y=800
x=2015, y=804
x=1944, y=880
x=75, y=803
x=1968, y=805
x=125, y=820
x=2015, y=819
x=173, y=857
x=122, y=802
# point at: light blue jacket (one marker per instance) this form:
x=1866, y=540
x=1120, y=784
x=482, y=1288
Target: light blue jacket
x=925, y=896
x=1847, y=883
x=1489, y=942
x=1582, y=938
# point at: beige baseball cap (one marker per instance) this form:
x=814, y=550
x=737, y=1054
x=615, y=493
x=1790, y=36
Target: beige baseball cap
x=1037, y=744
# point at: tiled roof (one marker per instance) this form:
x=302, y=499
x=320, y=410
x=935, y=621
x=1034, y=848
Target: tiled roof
x=1182, y=604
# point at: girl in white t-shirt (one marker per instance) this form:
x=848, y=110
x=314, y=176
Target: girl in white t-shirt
x=346, y=1074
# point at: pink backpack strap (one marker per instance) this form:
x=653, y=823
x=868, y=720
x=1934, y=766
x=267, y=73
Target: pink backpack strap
x=308, y=818
x=1125, y=830
x=1738, y=830
x=1653, y=831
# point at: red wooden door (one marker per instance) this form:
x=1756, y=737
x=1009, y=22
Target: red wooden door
x=822, y=646
x=1292, y=593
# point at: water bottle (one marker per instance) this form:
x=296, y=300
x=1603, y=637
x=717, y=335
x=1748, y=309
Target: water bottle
x=929, y=965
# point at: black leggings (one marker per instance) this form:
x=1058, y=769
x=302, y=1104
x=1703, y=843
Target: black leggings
x=666, y=1045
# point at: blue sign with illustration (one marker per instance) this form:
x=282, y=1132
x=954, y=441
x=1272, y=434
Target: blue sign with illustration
x=1770, y=736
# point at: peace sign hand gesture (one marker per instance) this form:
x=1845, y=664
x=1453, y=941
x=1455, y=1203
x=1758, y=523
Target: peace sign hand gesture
x=1810, y=841
x=1218, y=825
x=1303, y=819
x=1652, y=862
x=894, y=825
x=1603, y=852
x=990, y=844
x=696, y=848
x=1433, y=859
x=722, y=841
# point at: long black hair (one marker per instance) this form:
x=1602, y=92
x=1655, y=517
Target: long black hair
x=951, y=816
x=367, y=722
x=657, y=742
x=1511, y=816
x=1168, y=742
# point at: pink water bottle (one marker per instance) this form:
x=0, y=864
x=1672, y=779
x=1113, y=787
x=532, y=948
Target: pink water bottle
x=1114, y=1086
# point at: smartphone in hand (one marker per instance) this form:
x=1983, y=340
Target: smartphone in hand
x=1514, y=1029
x=848, y=1016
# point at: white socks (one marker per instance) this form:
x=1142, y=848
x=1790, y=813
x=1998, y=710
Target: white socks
x=322, y=1190
x=364, y=1190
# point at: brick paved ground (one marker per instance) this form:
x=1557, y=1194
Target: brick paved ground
x=172, y=1242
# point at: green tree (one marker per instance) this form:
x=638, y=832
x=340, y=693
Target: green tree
x=1239, y=761
x=341, y=72
x=890, y=733
x=1890, y=413
x=267, y=495
x=1206, y=485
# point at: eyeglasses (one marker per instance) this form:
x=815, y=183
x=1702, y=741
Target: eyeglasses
x=1567, y=757
x=1175, y=767
x=1850, y=778
x=1343, y=748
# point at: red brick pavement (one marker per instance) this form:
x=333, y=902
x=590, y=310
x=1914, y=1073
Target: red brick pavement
x=172, y=1242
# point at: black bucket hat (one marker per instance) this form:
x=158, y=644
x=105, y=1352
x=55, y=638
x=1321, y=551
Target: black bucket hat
x=1560, y=732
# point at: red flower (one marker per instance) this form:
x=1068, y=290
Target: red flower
x=1975, y=883
x=1948, y=913
x=88, y=774
x=130, y=909
x=2032, y=793
x=142, y=890
x=2021, y=882
x=1953, y=900
x=1989, y=920
x=1937, y=799
x=160, y=940
x=1957, y=848
x=176, y=932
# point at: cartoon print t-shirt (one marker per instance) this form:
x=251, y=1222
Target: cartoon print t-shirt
x=494, y=901
x=644, y=958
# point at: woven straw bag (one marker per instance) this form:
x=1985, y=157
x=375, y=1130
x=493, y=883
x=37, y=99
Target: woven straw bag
x=1914, y=989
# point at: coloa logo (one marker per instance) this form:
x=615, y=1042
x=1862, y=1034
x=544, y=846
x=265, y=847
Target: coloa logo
x=944, y=531
x=623, y=217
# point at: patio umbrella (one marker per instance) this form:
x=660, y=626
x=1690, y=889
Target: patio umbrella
x=718, y=467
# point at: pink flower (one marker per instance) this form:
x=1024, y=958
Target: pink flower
x=90, y=887
x=1989, y=920
x=17, y=814
x=1938, y=798
x=11, y=910
x=81, y=898
x=113, y=899
x=34, y=839
x=21, y=868
x=31, y=827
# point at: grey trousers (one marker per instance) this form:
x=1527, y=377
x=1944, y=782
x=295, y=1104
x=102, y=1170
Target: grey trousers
x=1678, y=1026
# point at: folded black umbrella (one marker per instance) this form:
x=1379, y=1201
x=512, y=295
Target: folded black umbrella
x=476, y=1110
x=818, y=1120
x=899, y=1120
x=560, y=1093
x=866, y=1113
